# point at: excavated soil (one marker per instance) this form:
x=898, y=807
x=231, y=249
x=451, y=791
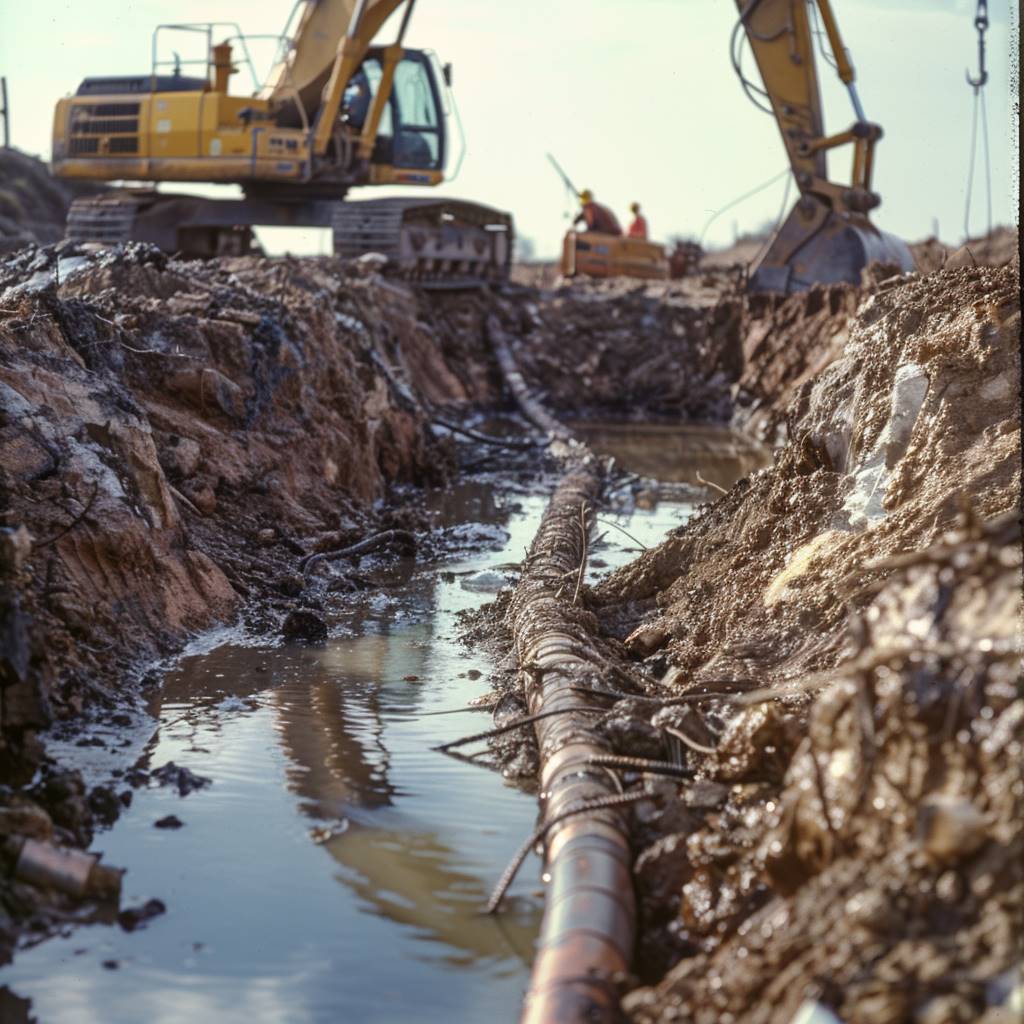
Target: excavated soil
x=177, y=438
x=851, y=834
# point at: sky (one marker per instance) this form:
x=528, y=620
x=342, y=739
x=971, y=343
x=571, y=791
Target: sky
x=637, y=100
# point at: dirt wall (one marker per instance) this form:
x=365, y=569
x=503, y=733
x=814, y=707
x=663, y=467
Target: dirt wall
x=846, y=825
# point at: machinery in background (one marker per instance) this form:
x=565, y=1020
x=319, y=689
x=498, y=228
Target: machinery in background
x=336, y=112
x=827, y=236
x=598, y=254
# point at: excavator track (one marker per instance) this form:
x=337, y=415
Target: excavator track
x=106, y=220
x=436, y=243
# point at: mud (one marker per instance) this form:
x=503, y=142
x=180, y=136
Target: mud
x=851, y=835
x=827, y=649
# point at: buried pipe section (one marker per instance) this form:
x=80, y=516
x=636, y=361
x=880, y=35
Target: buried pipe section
x=589, y=920
x=589, y=925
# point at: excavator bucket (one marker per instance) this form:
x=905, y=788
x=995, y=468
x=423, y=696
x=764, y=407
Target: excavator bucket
x=816, y=245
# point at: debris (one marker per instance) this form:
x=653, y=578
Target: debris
x=169, y=821
x=132, y=918
x=302, y=624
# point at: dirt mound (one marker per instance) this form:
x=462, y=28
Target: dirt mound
x=993, y=250
x=628, y=349
x=33, y=204
x=779, y=581
x=176, y=435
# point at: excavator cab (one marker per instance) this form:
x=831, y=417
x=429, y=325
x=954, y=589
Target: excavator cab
x=411, y=135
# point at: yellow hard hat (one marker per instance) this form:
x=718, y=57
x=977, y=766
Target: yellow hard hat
x=586, y=196
x=634, y=207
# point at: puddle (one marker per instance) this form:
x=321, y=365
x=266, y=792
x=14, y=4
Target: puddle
x=676, y=454
x=337, y=866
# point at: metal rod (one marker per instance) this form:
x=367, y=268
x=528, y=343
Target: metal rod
x=405, y=20
x=5, y=112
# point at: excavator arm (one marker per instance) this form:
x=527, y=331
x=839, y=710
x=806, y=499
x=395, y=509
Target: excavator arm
x=331, y=41
x=827, y=237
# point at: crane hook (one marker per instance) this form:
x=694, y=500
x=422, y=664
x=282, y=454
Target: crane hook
x=981, y=24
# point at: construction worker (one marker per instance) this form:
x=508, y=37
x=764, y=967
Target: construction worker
x=596, y=216
x=638, y=229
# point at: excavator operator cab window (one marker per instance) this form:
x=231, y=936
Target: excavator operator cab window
x=411, y=132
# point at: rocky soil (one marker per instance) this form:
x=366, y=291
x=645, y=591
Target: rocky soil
x=851, y=834
x=33, y=205
x=177, y=440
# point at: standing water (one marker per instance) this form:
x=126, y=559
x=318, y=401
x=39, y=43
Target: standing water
x=337, y=866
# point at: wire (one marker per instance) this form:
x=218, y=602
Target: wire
x=979, y=105
x=746, y=195
x=778, y=221
x=736, y=55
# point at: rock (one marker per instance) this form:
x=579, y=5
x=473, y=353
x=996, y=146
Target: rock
x=180, y=457
x=949, y=830
x=266, y=537
x=183, y=778
x=105, y=805
x=135, y=917
x=302, y=624
x=169, y=821
x=15, y=547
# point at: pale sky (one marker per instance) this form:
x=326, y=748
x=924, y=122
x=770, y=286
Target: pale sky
x=636, y=98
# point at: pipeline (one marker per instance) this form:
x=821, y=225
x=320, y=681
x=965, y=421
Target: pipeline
x=589, y=924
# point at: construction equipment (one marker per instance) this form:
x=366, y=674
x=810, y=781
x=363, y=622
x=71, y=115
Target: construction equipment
x=597, y=254
x=827, y=236
x=336, y=112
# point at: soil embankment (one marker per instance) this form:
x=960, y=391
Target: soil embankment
x=852, y=836
x=178, y=439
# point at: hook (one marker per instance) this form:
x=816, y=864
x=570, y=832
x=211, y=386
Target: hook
x=981, y=24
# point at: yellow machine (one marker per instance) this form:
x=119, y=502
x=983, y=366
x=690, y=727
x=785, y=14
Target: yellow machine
x=599, y=255
x=336, y=112
x=827, y=236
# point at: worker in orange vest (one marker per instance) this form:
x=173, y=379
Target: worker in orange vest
x=638, y=229
x=596, y=216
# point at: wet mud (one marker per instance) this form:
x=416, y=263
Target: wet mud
x=826, y=652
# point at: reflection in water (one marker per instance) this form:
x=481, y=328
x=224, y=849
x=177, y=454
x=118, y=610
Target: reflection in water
x=677, y=453
x=332, y=744
x=420, y=882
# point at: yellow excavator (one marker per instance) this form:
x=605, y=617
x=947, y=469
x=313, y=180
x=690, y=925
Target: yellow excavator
x=827, y=237
x=335, y=112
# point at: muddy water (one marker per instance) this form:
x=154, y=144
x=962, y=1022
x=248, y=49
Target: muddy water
x=336, y=866
x=676, y=454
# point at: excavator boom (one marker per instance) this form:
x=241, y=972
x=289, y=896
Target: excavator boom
x=828, y=236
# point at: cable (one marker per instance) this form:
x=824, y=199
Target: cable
x=778, y=220
x=735, y=56
x=746, y=195
x=988, y=165
x=979, y=105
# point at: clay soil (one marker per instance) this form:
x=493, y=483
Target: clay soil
x=177, y=439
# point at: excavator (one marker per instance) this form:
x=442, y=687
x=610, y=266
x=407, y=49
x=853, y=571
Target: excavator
x=335, y=112
x=338, y=111
x=827, y=236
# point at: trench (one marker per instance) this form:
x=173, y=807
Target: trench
x=337, y=866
